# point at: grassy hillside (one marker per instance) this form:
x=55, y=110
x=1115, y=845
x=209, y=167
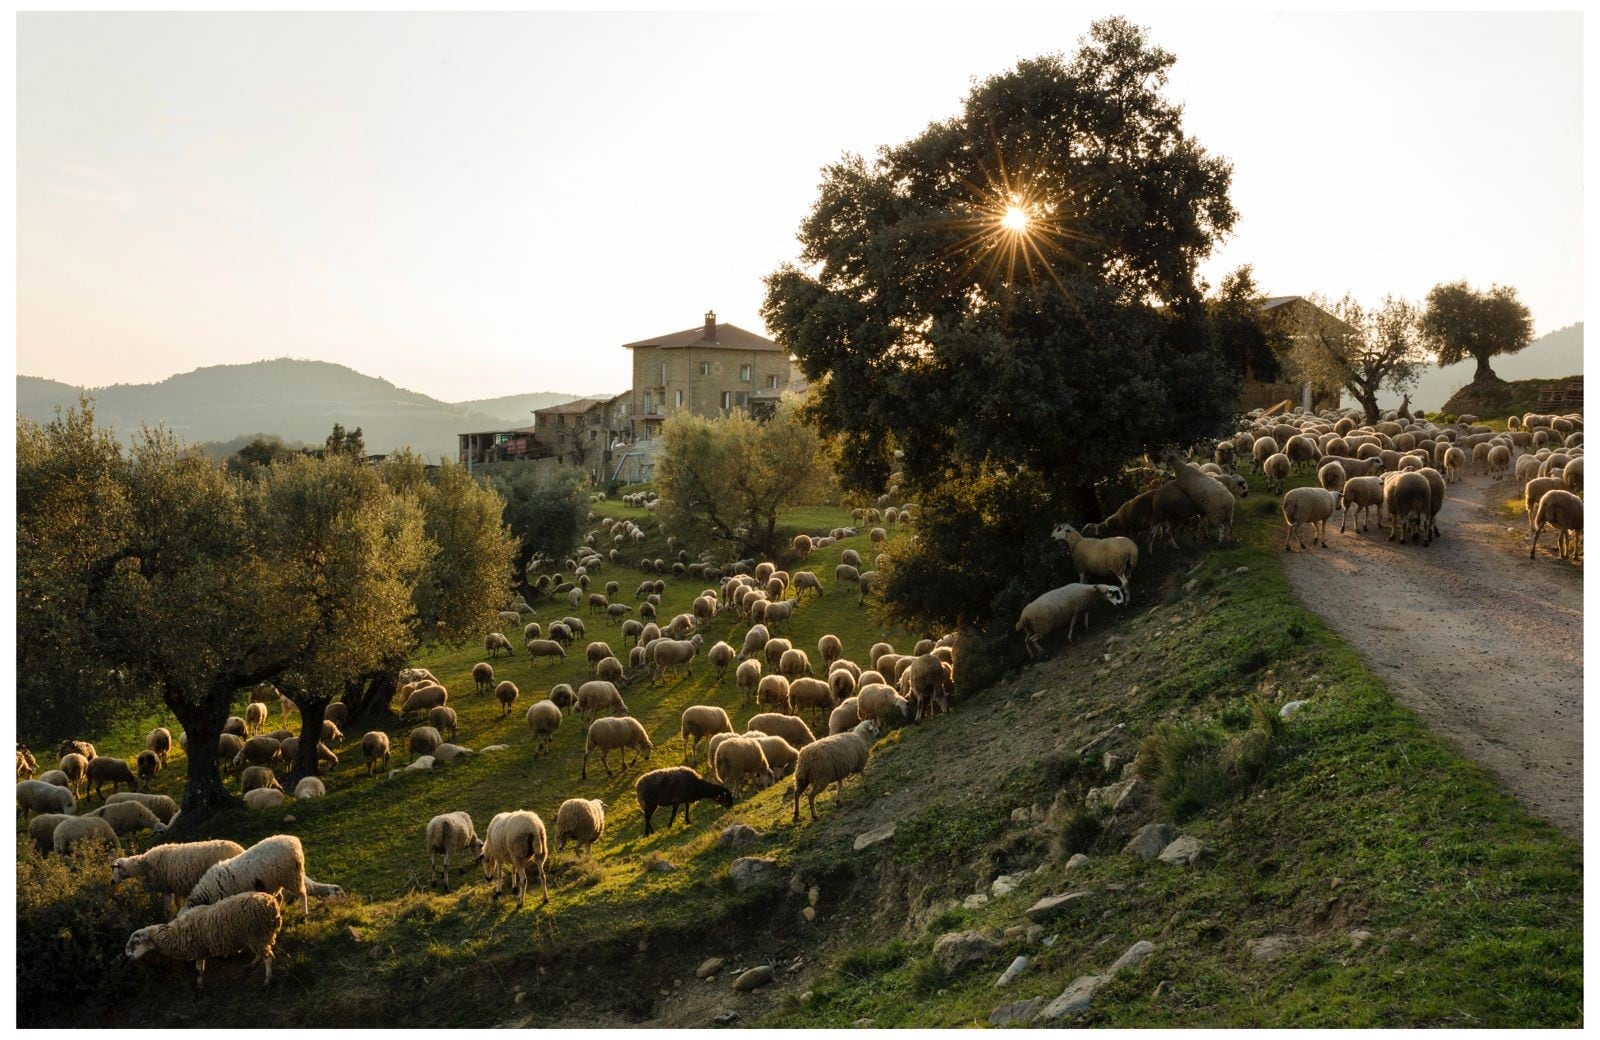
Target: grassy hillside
x=1490, y=401
x=517, y=409
x=1547, y=357
x=1406, y=886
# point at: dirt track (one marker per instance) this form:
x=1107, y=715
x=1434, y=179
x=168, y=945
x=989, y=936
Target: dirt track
x=1484, y=645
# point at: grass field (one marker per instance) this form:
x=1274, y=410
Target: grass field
x=1414, y=889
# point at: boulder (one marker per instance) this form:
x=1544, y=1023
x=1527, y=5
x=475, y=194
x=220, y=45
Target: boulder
x=1018, y=1012
x=1150, y=840
x=1078, y=860
x=737, y=835
x=976, y=900
x=709, y=967
x=1274, y=947
x=747, y=871
x=874, y=836
x=1186, y=851
x=1009, y=976
x=1136, y=953
x=1113, y=797
x=1051, y=907
x=1074, y=1000
x=958, y=950
x=1290, y=708
x=755, y=978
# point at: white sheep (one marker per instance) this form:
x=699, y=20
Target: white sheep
x=1063, y=607
x=755, y=640
x=173, y=870
x=844, y=717
x=129, y=818
x=790, y=728
x=721, y=655
x=831, y=760
x=75, y=830
x=781, y=755
x=741, y=759
x=248, y=921
x=1100, y=558
x=446, y=835
x=506, y=693
x=1408, y=499
x=36, y=796
x=270, y=865
x=617, y=733
x=164, y=807
x=581, y=821
x=515, y=842
x=702, y=720
x=808, y=694
x=543, y=718
x=1361, y=494
x=667, y=655
x=1308, y=505
x=422, y=741
x=597, y=696
x=483, y=671
x=495, y=642
x=264, y=798
x=883, y=704
x=1276, y=469
x=1559, y=509
x=375, y=749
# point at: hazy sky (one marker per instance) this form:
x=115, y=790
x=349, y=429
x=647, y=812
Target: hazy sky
x=478, y=205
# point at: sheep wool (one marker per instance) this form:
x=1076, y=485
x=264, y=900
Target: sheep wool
x=269, y=865
x=1063, y=607
x=75, y=830
x=448, y=834
x=248, y=921
x=580, y=821
x=831, y=760
x=615, y=733
x=128, y=818
x=173, y=870
x=164, y=808
x=515, y=842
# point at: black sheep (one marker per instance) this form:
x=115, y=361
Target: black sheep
x=675, y=786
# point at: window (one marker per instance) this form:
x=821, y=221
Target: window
x=679, y=399
x=772, y=382
x=744, y=373
x=705, y=368
x=663, y=374
x=742, y=399
x=727, y=399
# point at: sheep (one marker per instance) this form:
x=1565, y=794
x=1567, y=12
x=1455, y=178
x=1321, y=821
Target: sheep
x=1498, y=459
x=443, y=719
x=337, y=714
x=806, y=581
x=1308, y=505
x=1132, y=517
x=375, y=749
x=615, y=733
x=742, y=759
x=773, y=690
x=844, y=717
x=1331, y=476
x=257, y=777
x=422, y=741
x=631, y=629
x=509, y=617
x=255, y=717
x=581, y=821
x=106, y=770
x=506, y=693
x=841, y=684
x=1301, y=449
x=446, y=835
x=597, y=696
x=702, y=720
x=147, y=764
x=883, y=704
x=1572, y=475
x=543, y=718
x=1455, y=460
x=929, y=681
x=1062, y=606
x=26, y=765
x=72, y=831
x=721, y=655
x=675, y=787
x=259, y=751
x=495, y=642
x=1276, y=470
x=1408, y=499
x=265, y=798
x=248, y=921
x=424, y=700
x=515, y=841
x=774, y=651
x=1214, y=501
x=36, y=796
x=1114, y=557
x=610, y=670
x=538, y=648
x=271, y=864
x=790, y=728
x=669, y=654
x=780, y=611
x=807, y=694
x=310, y=787
x=173, y=870
x=755, y=640
x=878, y=535
x=574, y=627
x=483, y=674
x=831, y=760
x=1557, y=508
x=794, y=663
x=846, y=574
x=596, y=652
x=159, y=740
x=164, y=807
x=52, y=776
x=128, y=818
x=1361, y=494
x=1262, y=449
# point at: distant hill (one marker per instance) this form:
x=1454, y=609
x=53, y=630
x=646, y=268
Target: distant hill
x=516, y=409
x=296, y=400
x=1551, y=356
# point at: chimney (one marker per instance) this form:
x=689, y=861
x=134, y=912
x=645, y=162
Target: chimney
x=711, y=326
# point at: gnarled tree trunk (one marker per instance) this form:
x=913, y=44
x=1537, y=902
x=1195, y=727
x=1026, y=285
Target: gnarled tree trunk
x=203, y=793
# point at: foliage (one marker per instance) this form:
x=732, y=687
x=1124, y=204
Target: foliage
x=1064, y=349
x=724, y=480
x=347, y=443
x=1253, y=344
x=545, y=514
x=1460, y=322
x=261, y=451
x=1364, y=350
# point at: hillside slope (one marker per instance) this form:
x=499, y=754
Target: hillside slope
x=1551, y=356
x=518, y=409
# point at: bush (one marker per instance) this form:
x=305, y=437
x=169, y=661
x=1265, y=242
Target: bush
x=72, y=930
x=1194, y=767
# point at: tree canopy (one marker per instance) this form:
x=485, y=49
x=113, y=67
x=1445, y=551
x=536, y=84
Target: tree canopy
x=545, y=513
x=1460, y=322
x=723, y=480
x=1364, y=350
x=1015, y=288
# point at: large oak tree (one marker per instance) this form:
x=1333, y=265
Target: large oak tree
x=1461, y=322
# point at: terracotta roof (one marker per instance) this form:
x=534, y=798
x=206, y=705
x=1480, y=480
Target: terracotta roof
x=572, y=407
x=729, y=337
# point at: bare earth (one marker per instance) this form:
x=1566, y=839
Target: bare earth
x=1483, y=644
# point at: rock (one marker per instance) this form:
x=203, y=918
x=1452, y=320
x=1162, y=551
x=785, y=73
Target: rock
x=748, y=871
x=1113, y=797
x=1078, y=859
x=660, y=866
x=1049, y=942
x=492, y=748
x=1241, y=570
x=1274, y=947
x=866, y=839
x=1101, y=741
x=1074, y=1000
x=1136, y=953
x=814, y=896
x=289, y=819
x=709, y=967
x=1359, y=937
x=1127, y=769
x=809, y=913
x=1009, y=976
x=957, y=950
x=737, y=835
x=1110, y=762
x=976, y=900
x=1034, y=932
x=807, y=997
x=796, y=885
x=727, y=1018
x=1018, y=1012
x=755, y=978
x=1188, y=586
x=1022, y=814
x=1051, y=907
x=1186, y=851
x=1016, y=931
x=422, y=762
x=1290, y=708
x=1151, y=839
x=1003, y=885
x=863, y=1023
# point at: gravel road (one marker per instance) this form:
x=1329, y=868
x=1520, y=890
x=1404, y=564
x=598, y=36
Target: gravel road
x=1483, y=644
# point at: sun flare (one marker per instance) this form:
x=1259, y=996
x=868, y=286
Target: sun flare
x=1015, y=219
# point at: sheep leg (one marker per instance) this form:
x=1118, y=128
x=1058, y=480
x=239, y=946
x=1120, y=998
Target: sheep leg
x=811, y=803
x=543, y=888
x=1535, y=547
x=200, y=977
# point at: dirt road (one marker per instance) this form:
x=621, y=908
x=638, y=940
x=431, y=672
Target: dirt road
x=1484, y=645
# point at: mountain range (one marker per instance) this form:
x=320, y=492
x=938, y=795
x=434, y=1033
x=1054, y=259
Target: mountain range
x=296, y=400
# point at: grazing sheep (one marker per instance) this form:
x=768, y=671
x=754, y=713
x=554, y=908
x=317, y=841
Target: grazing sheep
x=446, y=835
x=1133, y=517
x=883, y=704
x=794, y=663
x=375, y=749
x=173, y=870
x=538, y=648
x=543, y=718
x=443, y=719
x=581, y=821
x=422, y=742
x=246, y=922
x=748, y=678
x=53, y=776
x=807, y=694
x=1572, y=475
x=36, y=796
x=1557, y=508
x=741, y=759
x=596, y=652
x=702, y=720
x=790, y=728
x=147, y=764
x=257, y=777
x=106, y=770
x=1498, y=459
x=1062, y=606
x=675, y=787
x=844, y=717
x=264, y=798
x=26, y=765
x=841, y=684
x=1455, y=460
x=255, y=717
x=515, y=842
x=774, y=651
x=1101, y=558
x=506, y=693
x=1308, y=505
x=310, y=787
x=610, y=670
x=755, y=640
x=773, y=691
x=631, y=629
x=667, y=655
x=483, y=673
x=532, y=630
x=1331, y=476
x=337, y=714
x=831, y=760
x=781, y=755
x=159, y=740
x=1276, y=470
x=721, y=655
x=128, y=818
x=164, y=808
x=845, y=574
x=259, y=751
x=424, y=700
x=598, y=696
x=806, y=581
x=928, y=683
x=495, y=642
x=615, y=733
x=1408, y=500
x=270, y=865
x=73, y=831
x=1361, y=494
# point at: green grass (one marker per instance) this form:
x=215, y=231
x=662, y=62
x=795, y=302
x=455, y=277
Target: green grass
x=1358, y=819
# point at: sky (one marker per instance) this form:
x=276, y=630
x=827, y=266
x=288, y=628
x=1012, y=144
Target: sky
x=479, y=205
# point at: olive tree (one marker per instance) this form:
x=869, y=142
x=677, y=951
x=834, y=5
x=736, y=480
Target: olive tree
x=1461, y=322
x=1363, y=349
